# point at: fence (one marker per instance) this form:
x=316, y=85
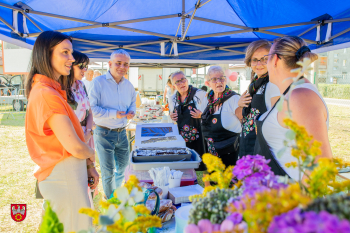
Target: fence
x=12, y=100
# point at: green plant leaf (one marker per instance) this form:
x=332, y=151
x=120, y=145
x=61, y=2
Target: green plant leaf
x=290, y=135
x=50, y=222
x=105, y=220
x=281, y=152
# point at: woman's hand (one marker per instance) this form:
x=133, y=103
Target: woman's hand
x=173, y=116
x=93, y=173
x=245, y=100
x=196, y=113
x=93, y=127
x=87, y=136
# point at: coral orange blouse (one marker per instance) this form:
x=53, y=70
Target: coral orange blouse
x=47, y=98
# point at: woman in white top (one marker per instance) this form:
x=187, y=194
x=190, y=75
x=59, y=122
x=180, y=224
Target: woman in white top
x=220, y=125
x=185, y=108
x=307, y=106
x=169, y=91
x=261, y=96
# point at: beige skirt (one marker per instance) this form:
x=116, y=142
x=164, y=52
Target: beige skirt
x=66, y=189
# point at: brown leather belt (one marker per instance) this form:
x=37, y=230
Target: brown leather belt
x=116, y=130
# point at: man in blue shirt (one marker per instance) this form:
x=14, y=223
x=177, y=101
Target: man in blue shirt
x=113, y=101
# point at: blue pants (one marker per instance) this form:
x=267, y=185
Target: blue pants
x=113, y=152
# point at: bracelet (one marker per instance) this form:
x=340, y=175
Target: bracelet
x=90, y=166
x=91, y=131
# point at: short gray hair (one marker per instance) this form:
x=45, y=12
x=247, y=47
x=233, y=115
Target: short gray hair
x=120, y=52
x=214, y=69
x=176, y=73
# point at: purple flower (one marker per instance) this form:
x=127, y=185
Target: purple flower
x=251, y=164
x=308, y=222
x=255, y=174
x=236, y=218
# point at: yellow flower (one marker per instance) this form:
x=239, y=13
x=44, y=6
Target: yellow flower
x=141, y=209
x=132, y=182
x=259, y=210
x=212, y=162
x=92, y=213
x=292, y=164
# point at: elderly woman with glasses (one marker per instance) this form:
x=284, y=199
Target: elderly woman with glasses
x=220, y=125
x=261, y=94
x=185, y=108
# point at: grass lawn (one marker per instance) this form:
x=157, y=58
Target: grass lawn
x=17, y=182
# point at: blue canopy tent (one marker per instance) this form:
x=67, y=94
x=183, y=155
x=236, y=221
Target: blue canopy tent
x=171, y=31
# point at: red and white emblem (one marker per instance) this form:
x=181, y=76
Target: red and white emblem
x=18, y=212
x=215, y=120
x=189, y=107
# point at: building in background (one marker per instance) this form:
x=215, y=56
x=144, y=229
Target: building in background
x=334, y=67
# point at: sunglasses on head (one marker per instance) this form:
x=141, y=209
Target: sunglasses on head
x=82, y=65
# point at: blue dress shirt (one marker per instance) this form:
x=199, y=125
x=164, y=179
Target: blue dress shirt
x=107, y=97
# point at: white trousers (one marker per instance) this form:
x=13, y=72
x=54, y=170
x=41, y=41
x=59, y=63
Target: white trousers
x=66, y=189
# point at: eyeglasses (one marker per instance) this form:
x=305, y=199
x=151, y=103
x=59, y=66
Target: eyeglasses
x=263, y=61
x=267, y=56
x=82, y=66
x=183, y=80
x=215, y=80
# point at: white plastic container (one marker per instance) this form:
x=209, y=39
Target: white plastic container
x=193, y=164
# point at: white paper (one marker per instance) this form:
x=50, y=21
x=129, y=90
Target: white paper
x=182, y=194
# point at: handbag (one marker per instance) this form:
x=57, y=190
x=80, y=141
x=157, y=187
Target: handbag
x=37, y=191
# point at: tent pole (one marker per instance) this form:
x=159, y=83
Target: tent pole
x=70, y=29
x=221, y=34
x=11, y=7
x=336, y=20
x=263, y=28
x=306, y=31
x=189, y=24
x=220, y=22
x=143, y=32
x=144, y=19
x=31, y=20
x=235, y=46
x=281, y=35
x=60, y=17
x=111, y=45
x=183, y=18
x=97, y=25
x=172, y=44
x=340, y=33
x=140, y=50
x=210, y=47
x=288, y=25
x=200, y=5
x=120, y=46
x=9, y=25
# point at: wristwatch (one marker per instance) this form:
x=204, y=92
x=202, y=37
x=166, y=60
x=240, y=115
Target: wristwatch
x=91, y=131
x=90, y=166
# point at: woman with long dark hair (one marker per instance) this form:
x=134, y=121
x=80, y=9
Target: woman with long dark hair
x=77, y=98
x=54, y=136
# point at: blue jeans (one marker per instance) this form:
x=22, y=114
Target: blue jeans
x=113, y=152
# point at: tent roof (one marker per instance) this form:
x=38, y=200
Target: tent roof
x=201, y=30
